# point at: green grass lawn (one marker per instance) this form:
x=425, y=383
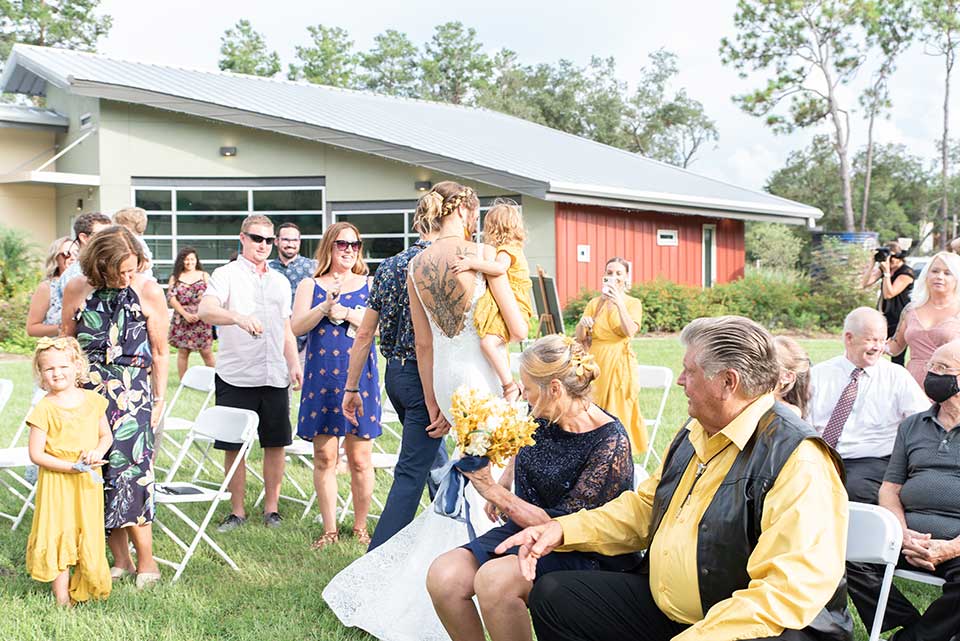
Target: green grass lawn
x=276, y=594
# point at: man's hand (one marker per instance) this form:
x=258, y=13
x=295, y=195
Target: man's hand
x=534, y=542
x=464, y=263
x=438, y=427
x=352, y=406
x=296, y=376
x=249, y=324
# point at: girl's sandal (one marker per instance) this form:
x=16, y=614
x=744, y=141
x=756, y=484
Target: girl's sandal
x=511, y=391
x=328, y=538
x=361, y=535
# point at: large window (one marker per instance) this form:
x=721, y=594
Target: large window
x=207, y=215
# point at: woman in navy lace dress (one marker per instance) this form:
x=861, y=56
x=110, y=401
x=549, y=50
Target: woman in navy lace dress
x=581, y=460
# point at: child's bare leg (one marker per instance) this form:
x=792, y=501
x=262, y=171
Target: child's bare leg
x=61, y=588
x=492, y=345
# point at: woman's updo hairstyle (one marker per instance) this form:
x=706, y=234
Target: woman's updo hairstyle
x=558, y=357
x=444, y=199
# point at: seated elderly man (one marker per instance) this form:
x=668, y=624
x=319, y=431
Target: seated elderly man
x=922, y=488
x=859, y=398
x=745, y=524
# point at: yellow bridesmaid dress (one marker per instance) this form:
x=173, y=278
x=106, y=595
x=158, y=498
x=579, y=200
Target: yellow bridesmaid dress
x=486, y=316
x=68, y=519
x=617, y=389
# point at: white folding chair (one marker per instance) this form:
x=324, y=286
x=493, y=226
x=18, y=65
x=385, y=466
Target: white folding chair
x=198, y=378
x=655, y=377
x=14, y=460
x=874, y=536
x=919, y=577
x=639, y=475
x=227, y=424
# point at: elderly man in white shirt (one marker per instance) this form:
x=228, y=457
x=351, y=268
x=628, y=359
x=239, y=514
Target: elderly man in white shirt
x=858, y=401
x=257, y=359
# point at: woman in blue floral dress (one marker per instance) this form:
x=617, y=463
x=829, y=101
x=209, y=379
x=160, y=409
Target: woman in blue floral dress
x=326, y=308
x=120, y=319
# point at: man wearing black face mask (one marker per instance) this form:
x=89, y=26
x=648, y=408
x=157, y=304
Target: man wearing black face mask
x=921, y=487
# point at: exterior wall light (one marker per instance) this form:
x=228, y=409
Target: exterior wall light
x=423, y=185
x=228, y=151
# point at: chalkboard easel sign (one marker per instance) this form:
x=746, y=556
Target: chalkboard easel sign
x=547, y=301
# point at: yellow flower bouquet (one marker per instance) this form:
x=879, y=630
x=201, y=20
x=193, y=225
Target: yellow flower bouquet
x=488, y=429
x=490, y=426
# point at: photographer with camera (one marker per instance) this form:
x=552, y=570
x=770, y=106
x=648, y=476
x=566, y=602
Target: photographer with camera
x=608, y=323
x=896, y=283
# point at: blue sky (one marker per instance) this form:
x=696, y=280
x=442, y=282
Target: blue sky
x=187, y=33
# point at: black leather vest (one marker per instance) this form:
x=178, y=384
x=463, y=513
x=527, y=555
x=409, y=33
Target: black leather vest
x=730, y=527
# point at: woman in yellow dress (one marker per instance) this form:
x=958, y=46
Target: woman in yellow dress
x=608, y=323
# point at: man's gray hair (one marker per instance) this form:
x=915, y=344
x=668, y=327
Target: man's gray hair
x=737, y=343
x=857, y=321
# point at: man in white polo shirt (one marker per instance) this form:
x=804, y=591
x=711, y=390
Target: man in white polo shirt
x=858, y=400
x=257, y=358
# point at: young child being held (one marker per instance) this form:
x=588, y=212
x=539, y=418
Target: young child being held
x=135, y=219
x=69, y=439
x=502, y=228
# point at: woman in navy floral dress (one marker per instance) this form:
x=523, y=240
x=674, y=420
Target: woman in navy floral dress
x=328, y=308
x=120, y=319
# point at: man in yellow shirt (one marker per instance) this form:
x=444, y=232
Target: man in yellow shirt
x=744, y=524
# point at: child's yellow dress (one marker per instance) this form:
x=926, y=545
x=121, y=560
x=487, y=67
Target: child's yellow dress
x=68, y=519
x=487, y=316
x=617, y=389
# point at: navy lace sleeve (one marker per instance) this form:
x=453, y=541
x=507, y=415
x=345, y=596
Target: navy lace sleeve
x=566, y=472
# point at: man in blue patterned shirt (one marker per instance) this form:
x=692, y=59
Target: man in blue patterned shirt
x=291, y=264
x=389, y=307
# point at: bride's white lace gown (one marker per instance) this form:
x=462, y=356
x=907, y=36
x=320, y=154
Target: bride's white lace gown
x=384, y=591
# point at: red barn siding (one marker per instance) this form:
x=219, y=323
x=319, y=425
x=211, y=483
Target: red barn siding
x=633, y=235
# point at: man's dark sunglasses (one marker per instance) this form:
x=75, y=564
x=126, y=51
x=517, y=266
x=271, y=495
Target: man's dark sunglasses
x=257, y=238
x=343, y=244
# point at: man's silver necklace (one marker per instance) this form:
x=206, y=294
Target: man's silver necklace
x=701, y=468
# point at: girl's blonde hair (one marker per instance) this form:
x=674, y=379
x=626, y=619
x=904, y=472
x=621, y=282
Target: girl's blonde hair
x=560, y=358
x=50, y=267
x=133, y=218
x=503, y=224
x=63, y=344
x=792, y=358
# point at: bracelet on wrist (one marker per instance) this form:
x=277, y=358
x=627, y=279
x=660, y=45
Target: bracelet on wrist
x=351, y=390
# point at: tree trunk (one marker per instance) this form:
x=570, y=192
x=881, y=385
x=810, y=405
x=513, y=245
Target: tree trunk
x=867, y=173
x=849, y=223
x=945, y=156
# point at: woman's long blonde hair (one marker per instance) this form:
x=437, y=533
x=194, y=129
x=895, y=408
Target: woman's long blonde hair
x=50, y=267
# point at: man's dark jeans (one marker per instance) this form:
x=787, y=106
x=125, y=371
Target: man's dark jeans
x=419, y=453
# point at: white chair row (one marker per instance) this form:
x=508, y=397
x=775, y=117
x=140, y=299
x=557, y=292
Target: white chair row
x=15, y=460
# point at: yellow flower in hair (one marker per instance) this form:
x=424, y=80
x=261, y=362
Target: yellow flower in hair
x=581, y=361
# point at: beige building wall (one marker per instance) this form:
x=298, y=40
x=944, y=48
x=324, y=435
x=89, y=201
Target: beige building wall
x=82, y=159
x=27, y=206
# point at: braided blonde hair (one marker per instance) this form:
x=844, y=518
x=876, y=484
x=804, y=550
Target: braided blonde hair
x=441, y=201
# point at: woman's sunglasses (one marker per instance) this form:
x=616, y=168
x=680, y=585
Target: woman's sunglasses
x=257, y=238
x=342, y=245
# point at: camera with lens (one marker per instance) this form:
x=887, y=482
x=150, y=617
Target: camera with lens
x=882, y=254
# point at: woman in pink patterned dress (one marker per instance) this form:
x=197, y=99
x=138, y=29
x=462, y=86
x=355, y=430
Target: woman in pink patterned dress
x=187, y=332
x=932, y=318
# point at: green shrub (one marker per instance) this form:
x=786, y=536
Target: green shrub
x=772, y=246
x=19, y=277
x=770, y=297
x=573, y=310
x=835, y=283
x=13, y=324
x=668, y=306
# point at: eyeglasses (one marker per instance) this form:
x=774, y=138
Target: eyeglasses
x=257, y=238
x=940, y=368
x=342, y=245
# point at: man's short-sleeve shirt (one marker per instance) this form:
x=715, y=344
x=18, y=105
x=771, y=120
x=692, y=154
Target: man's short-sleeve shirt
x=243, y=360
x=389, y=298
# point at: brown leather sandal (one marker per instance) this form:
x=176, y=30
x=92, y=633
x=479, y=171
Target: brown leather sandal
x=361, y=535
x=328, y=538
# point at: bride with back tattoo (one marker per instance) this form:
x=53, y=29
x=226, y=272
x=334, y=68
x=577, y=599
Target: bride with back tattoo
x=384, y=591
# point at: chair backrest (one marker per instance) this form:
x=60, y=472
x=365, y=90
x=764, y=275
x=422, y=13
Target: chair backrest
x=874, y=535
x=199, y=377
x=639, y=474
x=654, y=376
x=6, y=389
x=37, y=395
x=228, y=424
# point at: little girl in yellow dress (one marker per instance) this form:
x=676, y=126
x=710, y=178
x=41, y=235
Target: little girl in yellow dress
x=502, y=228
x=69, y=438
